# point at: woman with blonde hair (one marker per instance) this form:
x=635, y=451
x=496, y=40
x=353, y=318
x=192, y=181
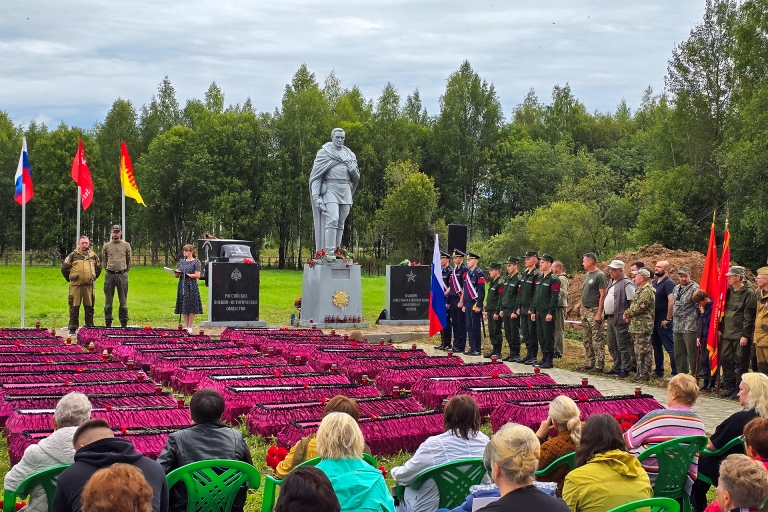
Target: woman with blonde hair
x=188, y=303
x=563, y=416
x=753, y=395
x=358, y=485
x=514, y=458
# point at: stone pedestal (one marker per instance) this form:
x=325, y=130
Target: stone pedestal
x=331, y=290
x=233, y=295
x=408, y=295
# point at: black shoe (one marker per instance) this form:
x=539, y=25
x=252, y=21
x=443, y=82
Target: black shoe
x=558, y=355
x=622, y=374
x=596, y=371
x=123, y=326
x=474, y=353
x=107, y=324
x=72, y=332
x=726, y=393
x=511, y=358
x=659, y=375
x=532, y=360
x=633, y=369
x=489, y=355
x=548, y=361
x=612, y=371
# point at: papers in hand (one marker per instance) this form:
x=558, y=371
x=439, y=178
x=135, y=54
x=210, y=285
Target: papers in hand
x=171, y=271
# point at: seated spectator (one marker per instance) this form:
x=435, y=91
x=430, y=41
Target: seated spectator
x=96, y=447
x=564, y=416
x=358, y=485
x=606, y=476
x=117, y=488
x=753, y=394
x=306, y=448
x=307, y=489
x=743, y=484
x=677, y=420
x=55, y=450
x=462, y=439
x=208, y=438
x=756, y=446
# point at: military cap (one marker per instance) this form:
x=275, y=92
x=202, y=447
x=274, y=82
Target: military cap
x=457, y=252
x=444, y=254
x=762, y=271
x=531, y=254
x=495, y=266
x=513, y=260
x=116, y=227
x=471, y=255
x=547, y=257
x=684, y=270
x=736, y=271
x=643, y=272
x=616, y=264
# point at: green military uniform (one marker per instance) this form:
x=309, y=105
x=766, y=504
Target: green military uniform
x=545, y=300
x=508, y=308
x=81, y=269
x=640, y=314
x=493, y=307
x=524, y=303
x=116, y=257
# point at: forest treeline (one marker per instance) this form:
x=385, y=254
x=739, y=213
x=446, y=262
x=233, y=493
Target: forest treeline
x=549, y=176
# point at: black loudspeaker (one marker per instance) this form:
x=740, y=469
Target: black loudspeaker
x=457, y=237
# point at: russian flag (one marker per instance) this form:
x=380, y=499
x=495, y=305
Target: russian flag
x=23, y=176
x=437, y=314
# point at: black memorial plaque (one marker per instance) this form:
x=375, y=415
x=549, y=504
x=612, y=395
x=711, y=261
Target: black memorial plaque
x=409, y=292
x=235, y=292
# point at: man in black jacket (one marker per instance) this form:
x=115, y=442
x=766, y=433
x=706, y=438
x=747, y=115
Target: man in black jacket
x=208, y=438
x=96, y=447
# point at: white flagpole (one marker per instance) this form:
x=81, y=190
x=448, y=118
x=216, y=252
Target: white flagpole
x=123, y=217
x=79, y=198
x=23, y=247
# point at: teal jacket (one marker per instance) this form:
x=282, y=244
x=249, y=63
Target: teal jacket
x=358, y=485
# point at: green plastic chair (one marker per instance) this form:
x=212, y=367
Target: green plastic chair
x=271, y=483
x=736, y=442
x=655, y=504
x=568, y=459
x=674, y=458
x=209, y=490
x=45, y=479
x=453, y=480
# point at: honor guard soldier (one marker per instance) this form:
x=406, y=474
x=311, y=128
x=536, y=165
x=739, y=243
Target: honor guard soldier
x=473, y=296
x=508, y=310
x=545, y=299
x=445, y=267
x=525, y=304
x=493, y=309
x=458, y=321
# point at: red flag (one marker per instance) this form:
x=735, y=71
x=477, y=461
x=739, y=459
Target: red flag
x=82, y=175
x=719, y=300
x=709, y=275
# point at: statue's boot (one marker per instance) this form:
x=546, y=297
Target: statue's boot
x=339, y=233
x=330, y=240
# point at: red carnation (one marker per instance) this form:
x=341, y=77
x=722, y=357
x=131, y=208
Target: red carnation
x=383, y=471
x=281, y=453
x=272, y=451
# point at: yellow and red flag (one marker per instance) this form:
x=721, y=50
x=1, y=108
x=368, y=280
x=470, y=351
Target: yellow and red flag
x=127, y=179
x=718, y=308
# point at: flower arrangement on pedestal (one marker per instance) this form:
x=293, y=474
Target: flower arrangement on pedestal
x=325, y=258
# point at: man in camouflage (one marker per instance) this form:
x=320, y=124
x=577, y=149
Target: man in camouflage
x=525, y=304
x=493, y=308
x=81, y=268
x=116, y=259
x=508, y=311
x=640, y=316
x=592, y=296
x=562, y=308
x=545, y=300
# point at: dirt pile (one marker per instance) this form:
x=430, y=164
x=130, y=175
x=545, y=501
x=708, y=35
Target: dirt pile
x=649, y=255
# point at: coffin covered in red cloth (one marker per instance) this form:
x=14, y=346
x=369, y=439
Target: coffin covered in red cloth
x=269, y=419
x=109, y=342
x=533, y=413
x=125, y=352
x=490, y=397
x=357, y=366
x=35, y=350
x=41, y=368
x=32, y=342
x=406, y=376
x=385, y=435
x=164, y=366
x=321, y=358
x=24, y=360
x=220, y=382
x=32, y=332
x=431, y=391
x=88, y=334
x=186, y=378
x=59, y=378
x=149, y=357
x=234, y=333
x=134, y=385
x=240, y=400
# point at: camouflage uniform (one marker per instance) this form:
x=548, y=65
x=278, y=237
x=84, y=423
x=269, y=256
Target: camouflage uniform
x=562, y=308
x=641, y=315
x=81, y=270
x=593, y=338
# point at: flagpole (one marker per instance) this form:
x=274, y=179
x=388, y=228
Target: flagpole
x=123, y=217
x=79, y=198
x=23, y=248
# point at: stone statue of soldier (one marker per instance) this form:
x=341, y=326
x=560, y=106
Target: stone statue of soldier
x=332, y=183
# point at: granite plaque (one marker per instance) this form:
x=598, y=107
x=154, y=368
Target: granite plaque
x=234, y=292
x=408, y=292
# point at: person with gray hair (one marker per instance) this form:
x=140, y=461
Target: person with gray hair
x=56, y=449
x=743, y=484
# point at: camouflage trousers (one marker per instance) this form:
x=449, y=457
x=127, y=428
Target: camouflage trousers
x=593, y=339
x=643, y=353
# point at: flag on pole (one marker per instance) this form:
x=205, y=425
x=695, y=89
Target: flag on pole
x=437, y=314
x=709, y=275
x=127, y=178
x=23, y=176
x=82, y=175
x=719, y=301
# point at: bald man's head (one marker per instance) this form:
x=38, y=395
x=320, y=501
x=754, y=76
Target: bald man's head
x=662, y=268
x=91, y=431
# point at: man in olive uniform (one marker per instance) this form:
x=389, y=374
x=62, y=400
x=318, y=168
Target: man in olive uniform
x=445, y=268
x=761, y=320
x=737, y=328
x=545, y=300
x=458, y=318
x=81, y=268
x=493, y=309
x=508, y=311
x=640, y=316
x=562, y=307
x=524, y=305
x=473, y=295
x=116, y=258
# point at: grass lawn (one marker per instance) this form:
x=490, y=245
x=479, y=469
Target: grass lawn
x=152, y=296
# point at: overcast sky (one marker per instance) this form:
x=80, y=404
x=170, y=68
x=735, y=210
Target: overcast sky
x=69, y=60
